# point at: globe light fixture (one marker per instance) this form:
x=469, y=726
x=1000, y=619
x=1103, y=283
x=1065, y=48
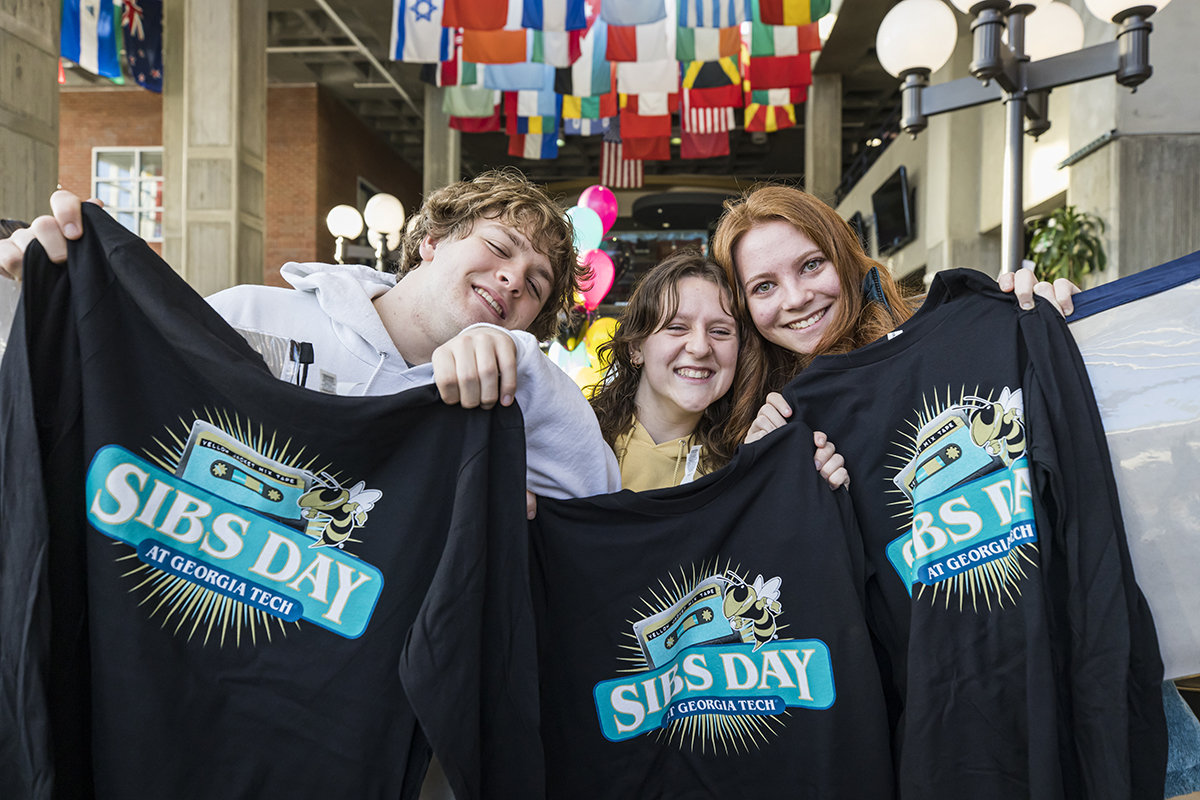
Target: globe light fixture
x=1042, y=53
x=1052, y=30
x=344, y=222
x=916, y=35
x=1118, y=10
x=384, y=213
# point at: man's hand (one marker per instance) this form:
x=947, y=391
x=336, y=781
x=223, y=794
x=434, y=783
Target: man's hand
x=771, y=416
x=477, y=368
x=829, y=462
x=52, y=231
x=1025, y=284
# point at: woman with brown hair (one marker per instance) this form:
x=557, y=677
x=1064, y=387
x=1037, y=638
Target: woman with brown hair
x=664, y=403
x=799, y=273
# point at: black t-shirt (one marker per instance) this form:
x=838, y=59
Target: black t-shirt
x=709, y=640
x=1022, y=652
x=218, y=585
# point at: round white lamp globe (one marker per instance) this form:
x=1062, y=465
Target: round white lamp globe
x=1107, y=9
x=1052, y=30
x=916, y=34
x=344, y=221
x=384, y=213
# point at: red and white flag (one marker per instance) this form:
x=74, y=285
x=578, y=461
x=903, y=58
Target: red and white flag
x=617, y=172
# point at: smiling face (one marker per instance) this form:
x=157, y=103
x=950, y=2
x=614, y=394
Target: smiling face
x=688, y=363
x=490, y=274
x=792, y=290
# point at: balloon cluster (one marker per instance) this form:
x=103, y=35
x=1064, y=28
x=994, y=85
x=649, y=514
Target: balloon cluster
x=592, y=218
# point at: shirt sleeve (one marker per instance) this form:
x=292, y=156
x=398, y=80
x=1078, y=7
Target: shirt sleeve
x=565, y=454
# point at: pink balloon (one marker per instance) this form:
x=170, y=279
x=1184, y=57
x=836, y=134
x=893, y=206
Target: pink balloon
x=597, y=284
x=601, y=200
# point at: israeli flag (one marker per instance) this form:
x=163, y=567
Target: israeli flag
x=88, y=37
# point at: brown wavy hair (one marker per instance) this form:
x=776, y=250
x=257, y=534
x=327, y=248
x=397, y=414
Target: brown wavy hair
x=509, y=197
x=857, y=322
x=652, y=305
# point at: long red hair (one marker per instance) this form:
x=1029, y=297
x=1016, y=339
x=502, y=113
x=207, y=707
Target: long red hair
x=769, y=367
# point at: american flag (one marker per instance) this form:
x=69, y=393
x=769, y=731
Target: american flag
x=617, y=172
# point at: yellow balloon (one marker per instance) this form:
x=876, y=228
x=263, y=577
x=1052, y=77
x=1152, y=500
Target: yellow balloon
x=586, y=378
x=598, y=333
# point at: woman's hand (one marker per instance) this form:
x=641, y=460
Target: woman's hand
x=1025, y=284
x=771, y=416
x=830, y=463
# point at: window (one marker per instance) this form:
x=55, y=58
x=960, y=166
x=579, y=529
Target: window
x=129, y=181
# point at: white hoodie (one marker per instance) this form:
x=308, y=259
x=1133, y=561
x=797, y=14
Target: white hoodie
x=331, y=308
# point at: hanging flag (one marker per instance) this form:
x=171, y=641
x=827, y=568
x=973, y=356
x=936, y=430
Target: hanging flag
x=780, y=72
x=778, y=97
x=591, y=74
x=651, y=103
x=589, y=107
x=636, y=126
x=711, y=13
x=518, y=77
x=648, y=76
x=792, y=12
x=639, y=43
x=783, y=40
x=554, y=15
x=417, y=33
x=706, y=44
x=469, y=101
x=453, y=71
x=656, y=148
x=88, y=36
x=480, y=15
x=583, y=127
x=710, y=74
x=633, y=12
x=703, y=145
x=494, y=47
x=717, y=97
x=769, y=118
x=535, y=147
x=141, y=24
x=617, y=172
x=556, y=48
x=706, y=120
x=531, y=112
x=477, y=124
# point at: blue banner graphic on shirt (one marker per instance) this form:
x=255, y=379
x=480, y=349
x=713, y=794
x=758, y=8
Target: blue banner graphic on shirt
x=191, y=532
x=971, y=524
x=728, y=679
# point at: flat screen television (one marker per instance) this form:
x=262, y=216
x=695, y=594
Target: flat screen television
x=860, y=227
x=893, y=203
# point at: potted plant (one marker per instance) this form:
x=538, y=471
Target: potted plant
x=1066, y=244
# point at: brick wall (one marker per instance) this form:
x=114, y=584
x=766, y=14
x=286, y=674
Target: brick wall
x=316, y=151
x=347, y=150
x=293, y=218
x=113, y=117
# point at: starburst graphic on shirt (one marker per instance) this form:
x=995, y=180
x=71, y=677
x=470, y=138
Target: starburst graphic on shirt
x=992, y=582
x=194, y=609
x=722, y=732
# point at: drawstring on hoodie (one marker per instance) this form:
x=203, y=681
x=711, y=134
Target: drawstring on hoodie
x=378, y=368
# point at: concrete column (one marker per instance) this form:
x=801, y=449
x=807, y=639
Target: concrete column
x=28, y=107
x=214, y=140
x=443, y=145
x=823, y=137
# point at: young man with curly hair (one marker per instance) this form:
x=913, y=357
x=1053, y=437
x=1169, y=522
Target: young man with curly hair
x=488, y=264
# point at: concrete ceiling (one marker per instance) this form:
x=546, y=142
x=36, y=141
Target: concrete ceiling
x=306, y=45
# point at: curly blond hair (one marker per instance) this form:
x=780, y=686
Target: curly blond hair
x=510, y=198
